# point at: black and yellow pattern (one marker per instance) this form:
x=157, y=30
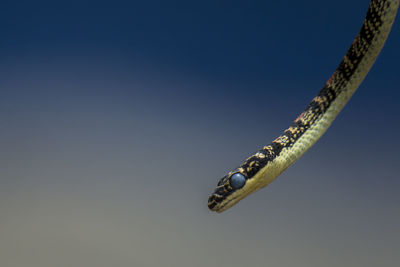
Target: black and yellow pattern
x=266, y=164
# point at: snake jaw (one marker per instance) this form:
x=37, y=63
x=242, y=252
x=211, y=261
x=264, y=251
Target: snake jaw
x=215, y=205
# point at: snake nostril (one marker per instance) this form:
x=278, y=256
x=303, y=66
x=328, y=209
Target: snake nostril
x=220, y=191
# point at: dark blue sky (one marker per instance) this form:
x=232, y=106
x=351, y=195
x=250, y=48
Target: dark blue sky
x=243, y=40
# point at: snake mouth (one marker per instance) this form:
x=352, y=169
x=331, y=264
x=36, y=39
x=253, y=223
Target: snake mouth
x=213, y=202
x=219, y=204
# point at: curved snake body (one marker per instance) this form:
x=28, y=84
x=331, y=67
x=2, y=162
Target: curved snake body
x=269, y=162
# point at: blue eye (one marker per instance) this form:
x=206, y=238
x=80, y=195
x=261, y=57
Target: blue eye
x=237, y=180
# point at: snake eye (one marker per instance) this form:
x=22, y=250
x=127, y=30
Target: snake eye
x=237, y=180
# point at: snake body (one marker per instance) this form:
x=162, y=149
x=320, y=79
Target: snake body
x=269, y=162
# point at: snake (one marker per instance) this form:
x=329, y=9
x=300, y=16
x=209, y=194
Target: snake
x=263, y=167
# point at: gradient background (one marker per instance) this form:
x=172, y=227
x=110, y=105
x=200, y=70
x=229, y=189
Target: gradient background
x=119, y=117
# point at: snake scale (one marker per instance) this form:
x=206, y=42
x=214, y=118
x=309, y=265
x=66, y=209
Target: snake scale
x=269, y=162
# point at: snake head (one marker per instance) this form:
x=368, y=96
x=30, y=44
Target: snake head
x=255, y=173
x=226, y=193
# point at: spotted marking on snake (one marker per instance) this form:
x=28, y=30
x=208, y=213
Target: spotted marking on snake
x=268, y=163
